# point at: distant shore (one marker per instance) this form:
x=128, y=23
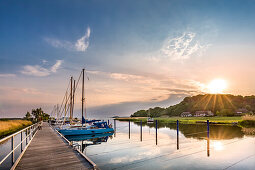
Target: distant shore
x=9, y=126
x=192, y=120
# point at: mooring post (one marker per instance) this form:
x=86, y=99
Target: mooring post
x=208, y=147
x=156, y=132
x=208, y=138
x=12, y=143
x=21, y=149
x=208, y=129
x=177, y=125
x=114, y=127
x=26, y=137
x=129, y=129
x=29, y=133
x=141, y=130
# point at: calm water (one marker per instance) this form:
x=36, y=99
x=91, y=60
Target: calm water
x=229, y=147
x=5, y=148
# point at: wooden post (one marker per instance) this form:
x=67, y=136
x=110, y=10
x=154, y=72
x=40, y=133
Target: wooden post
x=114, y=128
x=156, y=132
x=30, y=133
x=21, y=149
x=12, y=147
x=208, y=147
x=177, y=124
x=208, y=138
x=26, y=137
x=141, y=137
x=208, y=129
x=129, y=129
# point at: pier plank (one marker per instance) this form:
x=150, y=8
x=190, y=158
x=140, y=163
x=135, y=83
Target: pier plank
x=48, y=151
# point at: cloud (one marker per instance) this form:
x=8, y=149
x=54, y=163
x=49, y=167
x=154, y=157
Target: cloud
x=7, y=75
x=83, y=43
x=182, y=47
x=56, y=66
x=37, y=70
x=80, y=45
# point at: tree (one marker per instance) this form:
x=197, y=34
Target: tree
x=38, y=114
x=28, y=116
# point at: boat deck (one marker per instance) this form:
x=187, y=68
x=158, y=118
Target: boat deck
x=48, y=151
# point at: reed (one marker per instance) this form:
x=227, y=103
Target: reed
x=248, y=121
x=248, y=117
x=8, y=127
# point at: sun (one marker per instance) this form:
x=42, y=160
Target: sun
x=217, y=86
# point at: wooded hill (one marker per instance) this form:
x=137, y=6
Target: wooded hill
x=219, y=104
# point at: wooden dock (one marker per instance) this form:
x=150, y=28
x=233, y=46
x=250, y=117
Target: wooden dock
x=49, y=151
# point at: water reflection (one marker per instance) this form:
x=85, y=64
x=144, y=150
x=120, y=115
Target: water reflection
x=168, y=146
x=199, y=131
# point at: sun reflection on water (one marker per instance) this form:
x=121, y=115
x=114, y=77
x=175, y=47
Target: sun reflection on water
x=217, y=145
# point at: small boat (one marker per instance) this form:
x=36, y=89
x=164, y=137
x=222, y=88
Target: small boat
x=96, y=128
x=87, y=137
x=150, y=120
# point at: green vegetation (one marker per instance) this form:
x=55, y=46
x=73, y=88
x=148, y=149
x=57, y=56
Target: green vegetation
x=248, y=121
x=189, y=120
x=219, y=104
x=36, y=115
x=8, y=127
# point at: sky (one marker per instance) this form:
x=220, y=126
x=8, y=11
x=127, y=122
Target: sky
x=137, y=54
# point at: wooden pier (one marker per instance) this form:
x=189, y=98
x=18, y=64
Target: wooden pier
x=49, y=151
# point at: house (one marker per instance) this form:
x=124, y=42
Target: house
x=242, y=110
x=186, y=114
x=203, y=113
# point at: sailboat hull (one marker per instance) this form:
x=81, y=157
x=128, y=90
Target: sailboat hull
x=70, y=132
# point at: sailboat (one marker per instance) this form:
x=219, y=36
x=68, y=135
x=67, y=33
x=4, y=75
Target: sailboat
x=97, y=127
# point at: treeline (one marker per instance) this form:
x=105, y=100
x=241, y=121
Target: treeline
x=219, y=104
x=36, y=115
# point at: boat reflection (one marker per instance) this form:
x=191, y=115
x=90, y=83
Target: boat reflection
x=97, y=138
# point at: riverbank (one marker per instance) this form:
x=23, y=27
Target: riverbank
x=8, y=127
x=189, y=120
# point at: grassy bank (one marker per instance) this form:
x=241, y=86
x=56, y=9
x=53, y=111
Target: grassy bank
x=190, y=120
x=8, y=127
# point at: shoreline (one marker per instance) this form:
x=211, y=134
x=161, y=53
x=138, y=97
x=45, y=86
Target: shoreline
x=189, y=120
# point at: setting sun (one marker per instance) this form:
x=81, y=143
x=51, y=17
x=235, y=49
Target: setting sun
x=217, y=86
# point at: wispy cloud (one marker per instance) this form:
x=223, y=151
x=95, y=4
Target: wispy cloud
x=182, y=47
x=37, y=70
x=56, y=66
x=7, y=75
x=80, y=45
x=83, y=43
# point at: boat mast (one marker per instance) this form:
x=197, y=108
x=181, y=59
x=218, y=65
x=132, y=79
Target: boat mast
x=73, y=96
x=82, y=105
x=71, y=99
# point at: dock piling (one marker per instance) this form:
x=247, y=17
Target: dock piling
x=21, y=149
x=177, y=125
x=114, y=128
x=129, y=129
x=141, y=137
x=156, y=132
x=12, y=147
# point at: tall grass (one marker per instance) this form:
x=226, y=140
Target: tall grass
x=248, y=117
x=248, y=121
x=10, y=126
